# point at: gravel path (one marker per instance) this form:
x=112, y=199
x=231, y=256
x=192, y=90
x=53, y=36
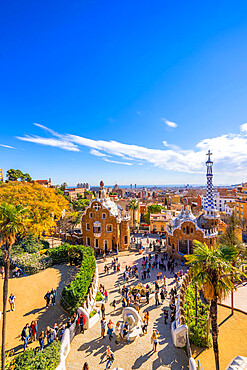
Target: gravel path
x=30, y=303
x=91, y=347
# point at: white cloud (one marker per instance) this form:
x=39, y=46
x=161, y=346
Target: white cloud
x=169, y=123
x=62, y=144
x=117, y=162
x=97, y=153
x=243, y=127
x=229, y=152
x=7, y=146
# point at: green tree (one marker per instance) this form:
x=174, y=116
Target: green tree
x=230, y=236
x=63, y=186
x=15, y=175
x=153, y=208
x=134, y=205
x=11, y=223
x=80, y=204
x=211, y=268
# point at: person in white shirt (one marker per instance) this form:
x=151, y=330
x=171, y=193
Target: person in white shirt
x=117, y=332
x=12, y=302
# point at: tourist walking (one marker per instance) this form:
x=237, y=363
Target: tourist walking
x=165, y=316
x=144, y=326
x=53, y=334
x=48, y=335
x=162, y=295
x=157, y=302
x=147, y=296
x=53, y=298
x=81, y=322
x=146, y=316
x=117, y=332
x=126, y=332
x=62, y=332
x=12, y=302
x=114, y=304
x=109, y=357
x=47, y=299
x=103, y=326
x=25, y=336
x=85, y=366
x=102, y=308
x=106, y=295
x=110, y=329
x=154, y=340
x=42, y=340
x=34, y=329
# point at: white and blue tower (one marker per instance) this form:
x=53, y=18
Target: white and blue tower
x=209, y=208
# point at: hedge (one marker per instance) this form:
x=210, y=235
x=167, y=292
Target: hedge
x=74, y=294
x=197, y=333
x=47, y=359
x=65, y=252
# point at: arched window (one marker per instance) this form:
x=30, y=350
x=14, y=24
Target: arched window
x=187, y=230
x=97, y=227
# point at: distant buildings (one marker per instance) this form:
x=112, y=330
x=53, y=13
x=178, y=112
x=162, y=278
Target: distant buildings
x=159, y=221
x=84, y=185
x=45, y=183
x=74, y=192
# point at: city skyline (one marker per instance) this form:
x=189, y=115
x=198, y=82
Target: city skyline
x=127, y=93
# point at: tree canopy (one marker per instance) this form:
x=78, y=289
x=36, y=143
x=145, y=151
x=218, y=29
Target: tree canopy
x=153, y=208
x=43, y=205
x=15, y=175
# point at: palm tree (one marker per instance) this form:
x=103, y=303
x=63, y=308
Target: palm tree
x=11, y=223
x=211, y=268
x=134, y=205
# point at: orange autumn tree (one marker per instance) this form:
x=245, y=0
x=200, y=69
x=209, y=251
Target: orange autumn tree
x=43, y=205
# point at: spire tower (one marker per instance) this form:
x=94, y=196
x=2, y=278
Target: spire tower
x=209, y=207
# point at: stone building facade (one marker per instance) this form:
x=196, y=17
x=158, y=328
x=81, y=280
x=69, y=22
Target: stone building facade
x=185, y=228
x=105, y=225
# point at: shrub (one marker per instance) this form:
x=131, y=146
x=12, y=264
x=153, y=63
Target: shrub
x=59, y=254
x=65, y=253
x=75, y=293
x=99, y=297
x=198, y=333
x=30, y=244
x=47, y=359
x=92, y=314
x=45, y=244
x=31, y=263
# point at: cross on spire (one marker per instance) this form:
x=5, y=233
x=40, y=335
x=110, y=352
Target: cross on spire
x=209, y=154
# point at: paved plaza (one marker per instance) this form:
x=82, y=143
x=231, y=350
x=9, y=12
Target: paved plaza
x=239, y=297
x=91, y=347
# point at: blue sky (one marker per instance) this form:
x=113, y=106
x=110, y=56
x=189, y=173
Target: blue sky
x=108, y=78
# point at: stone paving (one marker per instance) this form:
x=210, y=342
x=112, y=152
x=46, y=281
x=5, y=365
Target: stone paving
x=91, y=347
x=239, y=297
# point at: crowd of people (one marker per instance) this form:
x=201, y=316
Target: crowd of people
x=151, y=263
x=50, y=334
